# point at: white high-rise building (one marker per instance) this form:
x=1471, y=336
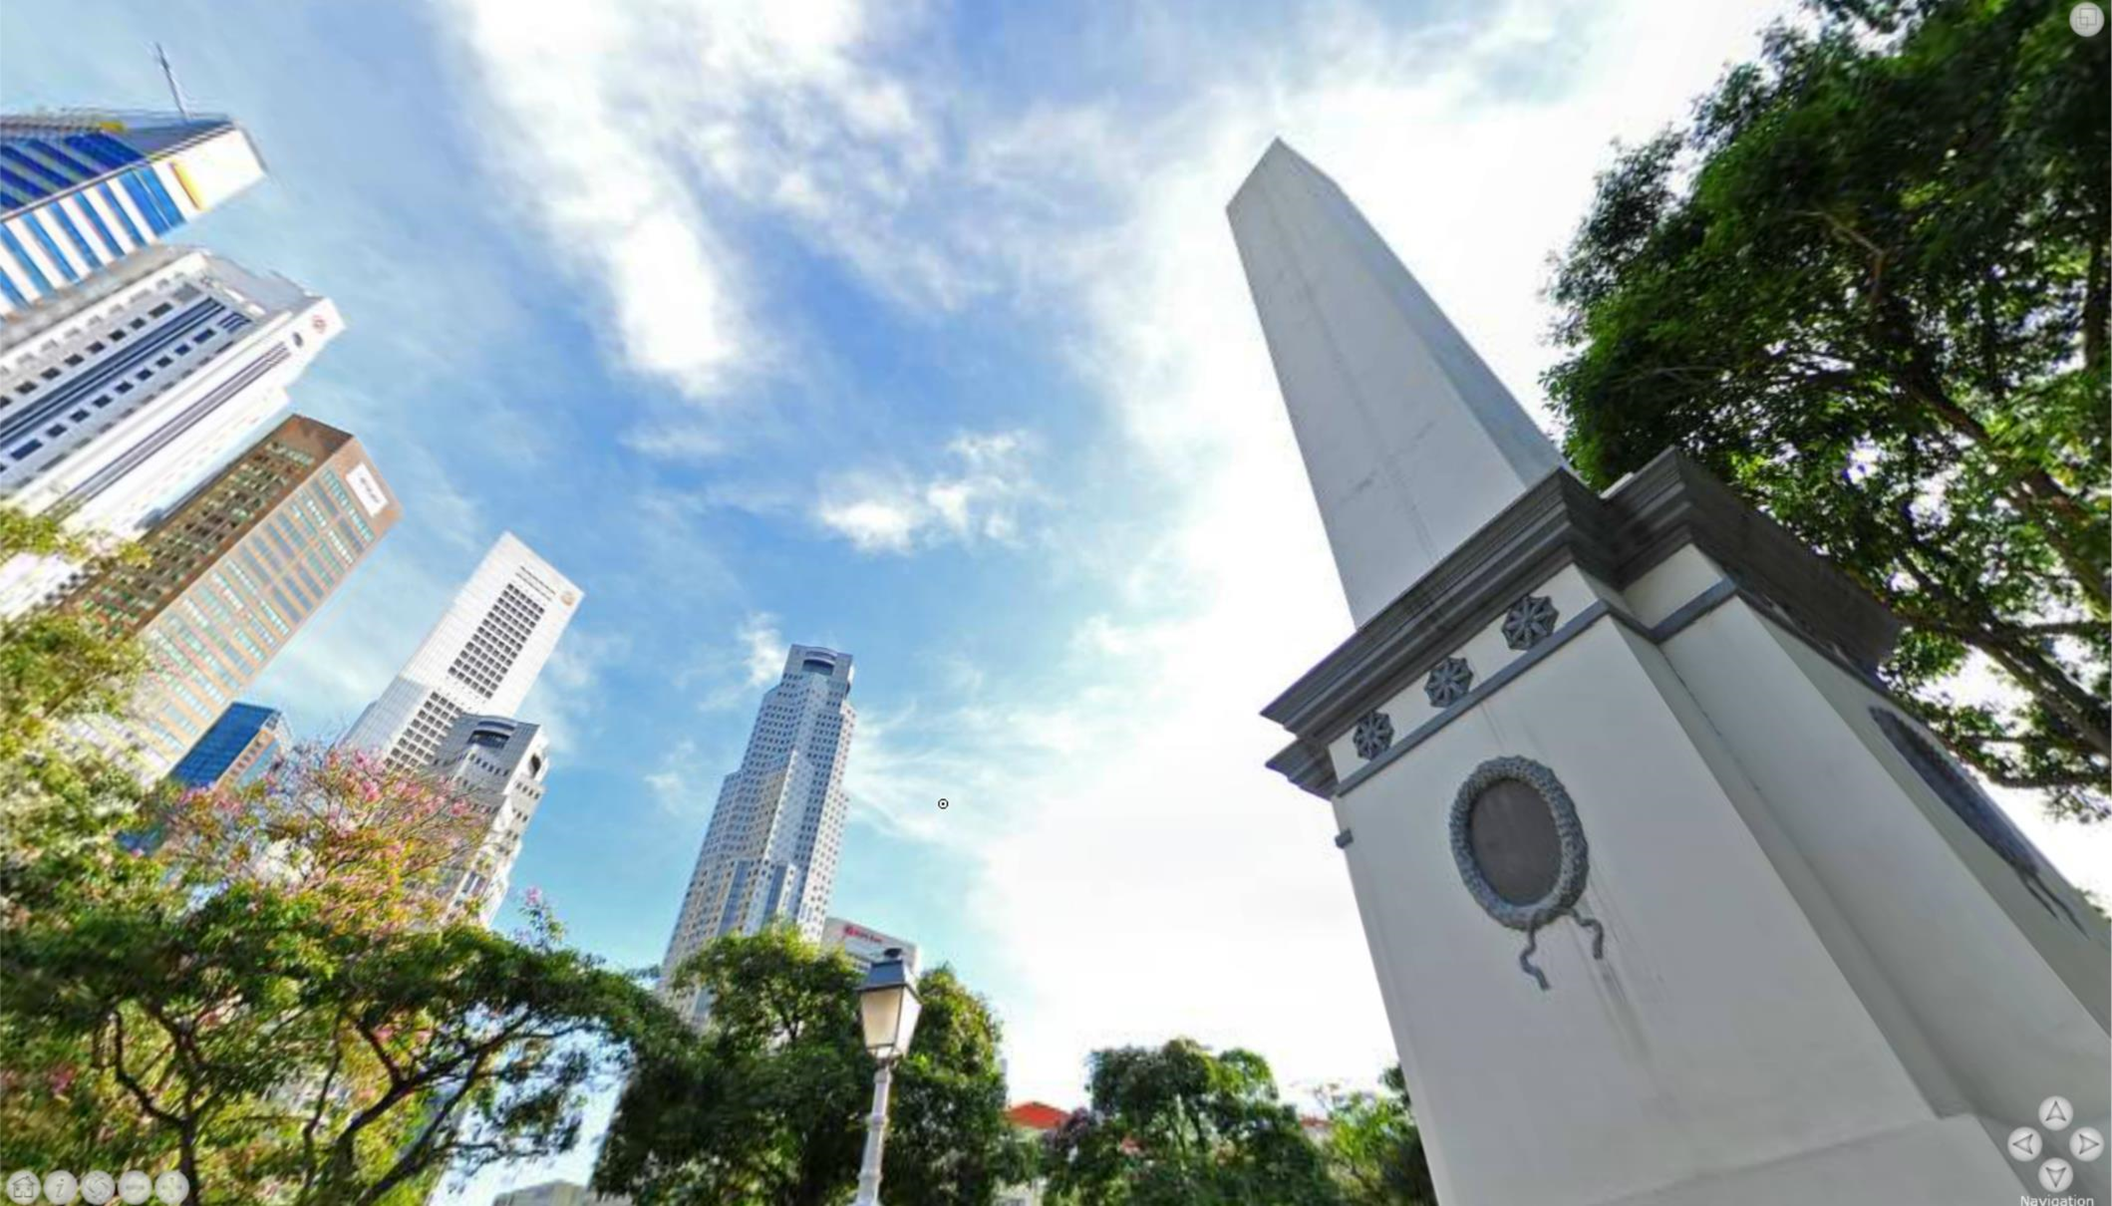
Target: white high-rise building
x=500, y=764
x=770, y=851
x=480, y=659
x=128, y=389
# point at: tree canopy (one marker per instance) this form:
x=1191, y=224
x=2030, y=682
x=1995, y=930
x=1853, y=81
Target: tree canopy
x=274, y=1051
x=768, y=1103
x=1181, y=1124
x=1867, y=284
x=276, y=1001
x=1374, y=1149
x=57, y=795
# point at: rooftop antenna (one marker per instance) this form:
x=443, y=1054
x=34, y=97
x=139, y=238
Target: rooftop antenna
x=169, y=73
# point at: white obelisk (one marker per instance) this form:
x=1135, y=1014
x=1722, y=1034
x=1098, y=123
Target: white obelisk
x=1670, y=903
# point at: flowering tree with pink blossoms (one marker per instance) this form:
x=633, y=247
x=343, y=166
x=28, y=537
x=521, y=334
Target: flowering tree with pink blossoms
x=338, y=826
x=281, y=1000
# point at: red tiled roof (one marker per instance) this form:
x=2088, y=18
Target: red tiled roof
x=1036, y=1115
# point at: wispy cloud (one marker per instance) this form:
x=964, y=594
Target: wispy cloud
x=568, y=695
x=676, y=441
x=673, y=784
x=643, y=135
x=764, y=646
x=981, y=496
x=572, y=85
x=726, y=674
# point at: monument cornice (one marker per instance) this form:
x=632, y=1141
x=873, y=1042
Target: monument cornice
x=1669, y=504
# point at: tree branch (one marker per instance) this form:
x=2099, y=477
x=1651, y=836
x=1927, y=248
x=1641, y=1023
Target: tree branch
x=419, y=1154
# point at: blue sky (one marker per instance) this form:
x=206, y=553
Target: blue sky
x=894, y=329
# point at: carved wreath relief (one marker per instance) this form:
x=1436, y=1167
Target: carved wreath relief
x=1521, y=851
x=1374, y=733
x=1530, y=621
x=1449, y=682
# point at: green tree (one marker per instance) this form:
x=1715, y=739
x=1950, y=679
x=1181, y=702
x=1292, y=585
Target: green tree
x=948, y=1143
x=1178, y=1124
x=1374, y=1149
x=57, y=795
x=59, y=801
x=768, y=1103
x=274, y=1002
x=1868, y=286
x=279, y=1054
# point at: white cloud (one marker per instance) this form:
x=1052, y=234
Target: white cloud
x=674, y=783
x=873, y=524
x=584, y=156
x=725, y=675
x=567, y=694
x=980, y=499
x=677, y=441
x=641, y=136
x=764, y=646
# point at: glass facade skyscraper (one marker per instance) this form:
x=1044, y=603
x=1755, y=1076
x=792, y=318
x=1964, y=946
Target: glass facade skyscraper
x=81, y=191
x=231, y=574
x=240, y=747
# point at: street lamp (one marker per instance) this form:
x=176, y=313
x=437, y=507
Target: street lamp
x=887, y=1012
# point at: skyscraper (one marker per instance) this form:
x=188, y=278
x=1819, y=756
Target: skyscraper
x=481, y=658
x=241, y=746
x=80, y=191
x=770, y=850
x=499, y=763
x=128, y=389
x=230, y=575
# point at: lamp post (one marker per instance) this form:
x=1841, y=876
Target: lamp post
x=887, y=1012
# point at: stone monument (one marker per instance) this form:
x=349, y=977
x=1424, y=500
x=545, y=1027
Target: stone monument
x=1670, y=902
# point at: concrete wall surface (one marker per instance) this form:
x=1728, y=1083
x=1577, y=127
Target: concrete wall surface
x=1717, y=1033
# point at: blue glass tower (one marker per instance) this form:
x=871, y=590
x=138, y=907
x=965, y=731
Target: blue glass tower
x=80, y=191
x=241, y=746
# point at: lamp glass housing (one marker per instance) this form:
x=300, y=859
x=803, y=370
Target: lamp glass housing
x=888, y=1007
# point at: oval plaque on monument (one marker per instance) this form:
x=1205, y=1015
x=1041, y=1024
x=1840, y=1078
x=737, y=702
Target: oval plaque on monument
x=1521, y=850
